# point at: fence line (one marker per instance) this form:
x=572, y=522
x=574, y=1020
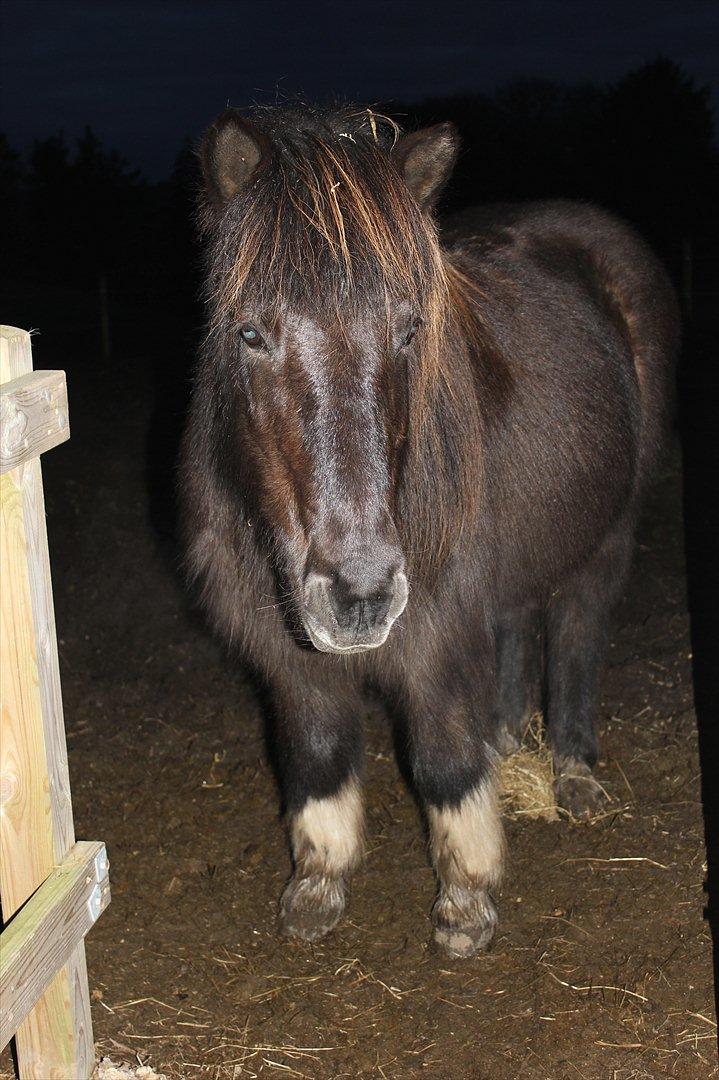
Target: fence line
x=44, y=994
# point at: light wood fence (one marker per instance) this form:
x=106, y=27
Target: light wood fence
x=52, y=888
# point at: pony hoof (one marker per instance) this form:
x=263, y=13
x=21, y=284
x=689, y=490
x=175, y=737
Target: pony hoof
x=464, y=922
x=311, y=906
x=578, y=793
x=462, y=943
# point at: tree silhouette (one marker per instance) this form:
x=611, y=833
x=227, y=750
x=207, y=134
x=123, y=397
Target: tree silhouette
x=76, y=212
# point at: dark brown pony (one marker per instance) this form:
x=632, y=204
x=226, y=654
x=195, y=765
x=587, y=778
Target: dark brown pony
x=404, y=455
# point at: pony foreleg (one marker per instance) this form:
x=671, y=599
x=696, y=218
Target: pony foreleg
x=326, y=846
x=467, y=852
x=319, y=743
x=453, y=772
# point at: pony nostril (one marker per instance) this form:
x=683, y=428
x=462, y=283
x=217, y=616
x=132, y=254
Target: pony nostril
x=317, y=592
x=355, y=607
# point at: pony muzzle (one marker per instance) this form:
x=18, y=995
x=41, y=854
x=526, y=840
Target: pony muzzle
x=341, y=616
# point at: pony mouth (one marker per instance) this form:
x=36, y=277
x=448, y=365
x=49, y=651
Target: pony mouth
x=323, y=643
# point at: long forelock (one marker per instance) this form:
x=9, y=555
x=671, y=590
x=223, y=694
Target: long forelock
x=328, y=226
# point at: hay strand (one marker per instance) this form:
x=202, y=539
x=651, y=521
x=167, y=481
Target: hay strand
x=526, y=778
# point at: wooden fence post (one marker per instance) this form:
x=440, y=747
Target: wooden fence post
x=55, y=1041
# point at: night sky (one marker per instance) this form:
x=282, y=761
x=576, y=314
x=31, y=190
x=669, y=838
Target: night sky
x=145, y=75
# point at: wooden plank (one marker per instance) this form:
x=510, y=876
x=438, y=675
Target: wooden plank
x=36, y=828
x=43, y=935
x=33, y=416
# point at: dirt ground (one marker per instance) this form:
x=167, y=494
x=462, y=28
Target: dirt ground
x=602, y=963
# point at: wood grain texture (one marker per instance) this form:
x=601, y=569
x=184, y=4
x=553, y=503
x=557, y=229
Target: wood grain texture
x=36, y=828
x=33, y=416
x=22, y=747
x=45, y=932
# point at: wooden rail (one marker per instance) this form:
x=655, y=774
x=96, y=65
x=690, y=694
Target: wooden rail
x=54, y=1040
x=33, y=416
x=43, y=934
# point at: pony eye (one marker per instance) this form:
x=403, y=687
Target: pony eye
x=409, y=337
x=250, y=336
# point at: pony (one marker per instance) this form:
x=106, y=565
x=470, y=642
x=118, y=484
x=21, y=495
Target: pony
x=410, y=457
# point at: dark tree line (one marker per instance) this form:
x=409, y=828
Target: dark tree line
x=75, y=214
x=78, y=214
x=643, y=147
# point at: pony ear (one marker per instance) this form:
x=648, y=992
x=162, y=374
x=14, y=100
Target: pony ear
x=426, y=158
x=231, y=151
